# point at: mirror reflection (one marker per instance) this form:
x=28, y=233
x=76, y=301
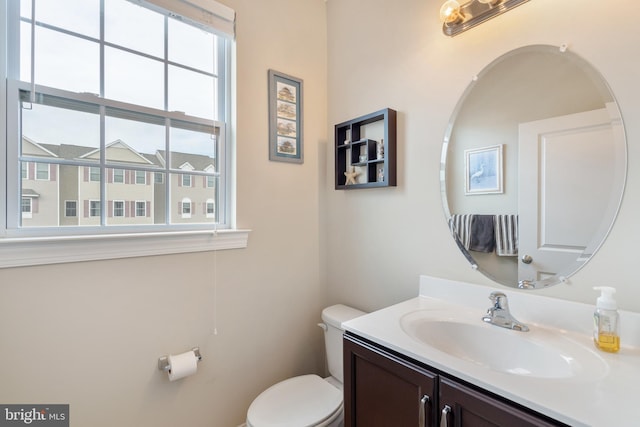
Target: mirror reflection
x=534, y=164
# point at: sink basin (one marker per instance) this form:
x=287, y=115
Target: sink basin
x=539, y=353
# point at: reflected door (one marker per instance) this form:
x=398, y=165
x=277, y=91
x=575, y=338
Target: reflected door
x=566, y=165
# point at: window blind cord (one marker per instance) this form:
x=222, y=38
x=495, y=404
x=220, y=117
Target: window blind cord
x=215, y=283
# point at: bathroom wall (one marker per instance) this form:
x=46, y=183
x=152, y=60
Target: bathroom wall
x=89, y=334
x=393, y=54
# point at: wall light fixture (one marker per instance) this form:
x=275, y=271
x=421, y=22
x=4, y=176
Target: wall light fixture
x=457, y=18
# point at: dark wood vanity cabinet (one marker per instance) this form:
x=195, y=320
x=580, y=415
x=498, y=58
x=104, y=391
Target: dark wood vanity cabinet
x=384, y=389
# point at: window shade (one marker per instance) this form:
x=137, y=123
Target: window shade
x=214, y=16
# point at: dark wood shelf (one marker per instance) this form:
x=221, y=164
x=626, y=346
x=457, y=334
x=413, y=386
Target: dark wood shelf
x=360, y=155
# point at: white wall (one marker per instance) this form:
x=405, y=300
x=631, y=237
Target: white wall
x=89, y=334
x=393, y=54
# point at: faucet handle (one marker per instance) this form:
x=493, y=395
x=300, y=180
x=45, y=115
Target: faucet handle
x=499, y=300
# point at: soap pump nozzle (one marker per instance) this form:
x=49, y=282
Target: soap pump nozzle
x=605, y=300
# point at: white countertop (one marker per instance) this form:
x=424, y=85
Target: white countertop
x=605, y=399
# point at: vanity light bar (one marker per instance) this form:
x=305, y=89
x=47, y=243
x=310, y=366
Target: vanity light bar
x=475, y=12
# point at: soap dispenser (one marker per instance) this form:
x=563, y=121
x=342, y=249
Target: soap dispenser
x=606, y=321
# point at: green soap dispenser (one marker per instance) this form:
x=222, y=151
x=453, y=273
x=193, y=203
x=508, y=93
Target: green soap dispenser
x=606, y=321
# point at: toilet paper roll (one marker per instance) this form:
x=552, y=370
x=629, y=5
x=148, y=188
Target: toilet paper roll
x=182, y=365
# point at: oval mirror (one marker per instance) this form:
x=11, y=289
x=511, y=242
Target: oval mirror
x=533, y=167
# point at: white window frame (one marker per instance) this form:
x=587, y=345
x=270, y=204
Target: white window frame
x=66, y=208
x=186, y=213
x=212, y=203
x=40, y=169
x=93, y=176
x=140, y=174
x=94, y=208
x=120, y=174
x=115, y=210
x=142, y=203
x=27, y=213
x=45, y=246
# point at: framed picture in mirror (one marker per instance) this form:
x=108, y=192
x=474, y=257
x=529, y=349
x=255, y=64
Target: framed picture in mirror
x=483, y=170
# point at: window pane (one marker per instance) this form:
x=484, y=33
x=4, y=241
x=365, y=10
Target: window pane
x=127, y=24
x=132, y=141
x=134, y=203
x=39, y=195
x=80, y=16
x=62, y=61
x=192, y=204
x=191, y=46
x=71, y=208
x=192, y=93
x=199, y=142
x=57, y=132
x=134, y=79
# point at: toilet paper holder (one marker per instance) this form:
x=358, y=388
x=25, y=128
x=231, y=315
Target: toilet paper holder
x=164, y=365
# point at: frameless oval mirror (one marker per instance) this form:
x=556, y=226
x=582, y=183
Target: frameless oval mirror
x=533, y=167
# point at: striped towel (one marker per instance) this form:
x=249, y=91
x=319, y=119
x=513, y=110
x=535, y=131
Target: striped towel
x=506, y=229
x=460, y=226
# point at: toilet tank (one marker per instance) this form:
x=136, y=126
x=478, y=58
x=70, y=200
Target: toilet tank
x=333, y=317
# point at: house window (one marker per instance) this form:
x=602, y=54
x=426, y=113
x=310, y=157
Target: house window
x=186, y=208
x=186, y=180
x=94, y=208
x=141, y=177
x=79, y=90
x=42, y=171
x=118, y=208
x=141, y=208
x=210, y=208
x=94, y=174
x=118, y=176
x=211, y=181
x=158, y=178
x=70, y=208
x=26, y=207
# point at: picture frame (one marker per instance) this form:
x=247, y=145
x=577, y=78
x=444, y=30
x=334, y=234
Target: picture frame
x=483, y=170
x=285, y=118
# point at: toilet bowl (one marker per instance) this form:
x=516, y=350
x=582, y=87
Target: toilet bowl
x=308, y=400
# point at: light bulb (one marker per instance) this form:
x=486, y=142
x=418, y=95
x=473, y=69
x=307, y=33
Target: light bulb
x=450, y=12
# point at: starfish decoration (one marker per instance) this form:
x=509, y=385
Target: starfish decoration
x=351, y=177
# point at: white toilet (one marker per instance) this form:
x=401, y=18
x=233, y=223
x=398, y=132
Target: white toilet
x=308, y=400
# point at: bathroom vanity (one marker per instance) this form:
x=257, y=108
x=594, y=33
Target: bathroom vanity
x=432, y=361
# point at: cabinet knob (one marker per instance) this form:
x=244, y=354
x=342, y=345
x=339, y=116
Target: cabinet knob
x=444, y=417
x=422, y=413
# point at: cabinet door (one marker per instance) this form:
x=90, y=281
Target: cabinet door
x=461, y=406
x=381, y=390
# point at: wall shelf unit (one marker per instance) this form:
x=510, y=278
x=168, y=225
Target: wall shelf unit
x=366, y=151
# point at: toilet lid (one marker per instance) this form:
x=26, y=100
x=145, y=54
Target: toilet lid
x=301, y=401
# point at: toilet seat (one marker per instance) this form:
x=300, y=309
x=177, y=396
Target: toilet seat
x=303, y=401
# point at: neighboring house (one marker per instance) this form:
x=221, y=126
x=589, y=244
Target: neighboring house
x=66, y=195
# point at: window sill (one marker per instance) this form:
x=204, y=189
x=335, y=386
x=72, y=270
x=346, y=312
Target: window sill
x=21, y=252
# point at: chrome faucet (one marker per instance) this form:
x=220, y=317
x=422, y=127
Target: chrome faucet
x=499, y=314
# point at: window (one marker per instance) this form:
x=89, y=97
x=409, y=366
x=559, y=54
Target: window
x=118, y=208
x=118, y=176
x=94, y=174
x=94, y=208
x=70, y=208
x=141, y=208
x=141, y=177
x=107, y=94
x=26, y=207
x=42, y=171
x=186, y=208
x=186, y=180
x=210, y=208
